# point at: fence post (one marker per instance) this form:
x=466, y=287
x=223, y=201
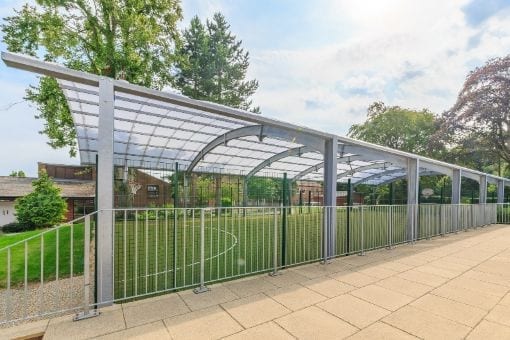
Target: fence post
x=390, y=226
x=325, y=237
x=284, y=220
x=87, y=312
x=202, y=288
x=362, y=253
x=275, y=244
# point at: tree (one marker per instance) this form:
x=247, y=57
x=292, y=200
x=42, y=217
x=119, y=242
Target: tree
x=122, y=39
x=19, y=173
x=482, y=110
x=398, y=128
x=43, y=207
x=212, y=65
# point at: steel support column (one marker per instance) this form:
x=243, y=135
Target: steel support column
x=330, y=177
x=482, y=195
x=105, y=193
x=501, y=191
x=413, y=180
x=456, y=187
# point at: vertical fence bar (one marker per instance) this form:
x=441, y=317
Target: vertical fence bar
x=86, y=312
x=26, y=279
x=324, y=235
x=275, y=243
x=202, y=287
x=362, y=232
x=42, y=274
x=124, y=261
x=136, y=253
x=8, y=303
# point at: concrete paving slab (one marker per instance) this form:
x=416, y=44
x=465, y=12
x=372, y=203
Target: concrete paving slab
x=382, y=297
x=154, y=309
x=426, y=325
x=217, y=295
x=254, y=310
x=487, y=330
x=450, y=309
x=286, y=278
x=269, y=330
x=209, y=323
x=500, y=314
x=354, y=310
x=354, y=278
x=328, y=287
x=410, y=288
x=249, y=286
x=295, y=297
x=151, y=331
x=480, y=300
x=314, y=323
x=423, y=278
x=381, y=331
x=64, y=327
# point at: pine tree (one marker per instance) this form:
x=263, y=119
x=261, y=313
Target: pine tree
x=212, y=65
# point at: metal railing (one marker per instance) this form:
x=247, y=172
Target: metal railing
x=503, y=213
x=48, y=273
x=162, y=250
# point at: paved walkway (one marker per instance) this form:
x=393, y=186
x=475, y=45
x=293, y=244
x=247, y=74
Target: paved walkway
x=446, y=288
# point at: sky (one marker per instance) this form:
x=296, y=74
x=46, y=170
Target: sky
x=319, y=63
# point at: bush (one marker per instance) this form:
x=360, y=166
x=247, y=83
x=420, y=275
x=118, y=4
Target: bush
x=43, y=207
x=15, y=227
x=226, y=202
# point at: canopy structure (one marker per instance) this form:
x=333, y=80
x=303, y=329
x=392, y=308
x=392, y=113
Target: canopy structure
x=160, y=127
x=115, y=119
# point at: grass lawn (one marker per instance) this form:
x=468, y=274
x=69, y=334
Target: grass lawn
x=69, y=239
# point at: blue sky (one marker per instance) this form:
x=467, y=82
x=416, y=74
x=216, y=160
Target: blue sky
x=319, y=63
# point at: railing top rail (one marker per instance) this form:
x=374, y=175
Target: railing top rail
x=58, y=226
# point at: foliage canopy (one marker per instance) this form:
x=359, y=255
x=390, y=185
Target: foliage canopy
x=212, y=65
x=123, y=39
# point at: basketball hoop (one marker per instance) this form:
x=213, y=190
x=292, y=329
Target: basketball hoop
x=134, y=187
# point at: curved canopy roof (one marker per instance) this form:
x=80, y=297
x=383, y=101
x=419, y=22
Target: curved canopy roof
x=160, y=127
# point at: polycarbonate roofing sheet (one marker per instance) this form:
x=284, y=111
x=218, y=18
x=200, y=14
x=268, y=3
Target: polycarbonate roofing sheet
x=149, y=130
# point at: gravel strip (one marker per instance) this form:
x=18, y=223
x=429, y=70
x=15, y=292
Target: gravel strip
x=55, y=296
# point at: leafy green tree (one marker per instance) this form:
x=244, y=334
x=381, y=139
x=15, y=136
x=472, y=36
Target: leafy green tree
x=212, y=65
x=398, y=128
x=19, y=173
x=44, y=207
x=123, y=39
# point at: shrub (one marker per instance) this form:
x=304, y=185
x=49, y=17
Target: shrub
x=15, y=227
x=43, y=207
x=226, y=202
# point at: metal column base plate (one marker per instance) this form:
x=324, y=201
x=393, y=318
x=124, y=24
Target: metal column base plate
x=86, y=315
x=275, y=273
x=201, y=289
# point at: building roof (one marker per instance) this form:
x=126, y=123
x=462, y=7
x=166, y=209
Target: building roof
x=13, y=187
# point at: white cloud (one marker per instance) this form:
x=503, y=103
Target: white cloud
x=413, y=54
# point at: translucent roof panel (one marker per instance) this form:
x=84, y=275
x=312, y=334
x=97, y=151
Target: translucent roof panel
x=151, y=131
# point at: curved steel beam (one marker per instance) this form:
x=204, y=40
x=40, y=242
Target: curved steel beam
x=262, y=131
x=362, y=168
x=320, y=165
x=423, y=173
x=380, y=174
x=287, y=153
